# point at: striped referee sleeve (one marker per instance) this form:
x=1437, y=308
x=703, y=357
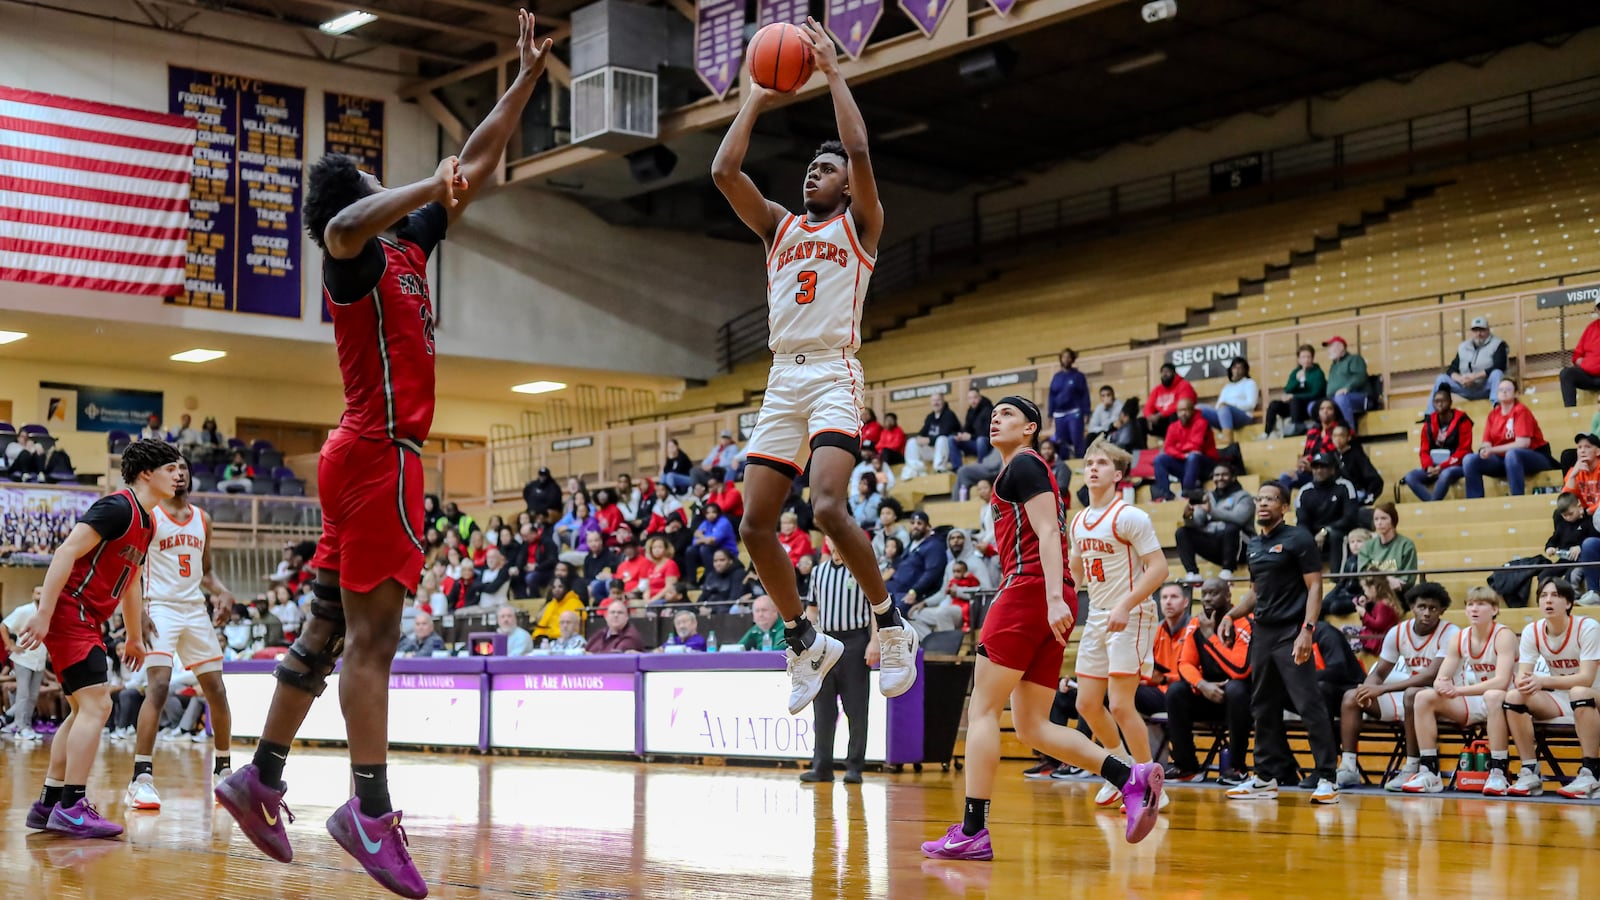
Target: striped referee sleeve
x=840, y=604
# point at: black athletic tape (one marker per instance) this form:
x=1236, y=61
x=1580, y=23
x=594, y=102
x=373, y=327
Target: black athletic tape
x=328, y=592
x=1587, y=701
x=1515, y=707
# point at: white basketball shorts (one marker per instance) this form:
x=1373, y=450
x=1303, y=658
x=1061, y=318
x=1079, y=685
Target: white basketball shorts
x=183, y=632
x=810, y=397
x=1130, y=651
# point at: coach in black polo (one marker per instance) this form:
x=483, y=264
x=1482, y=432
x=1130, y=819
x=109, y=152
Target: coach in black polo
x=1286, y=597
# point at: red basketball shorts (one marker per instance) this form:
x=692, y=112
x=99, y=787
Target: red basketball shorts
x=371, y=493
x=1016, y=634
x=70, y=641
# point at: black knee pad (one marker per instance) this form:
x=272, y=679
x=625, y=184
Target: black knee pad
x=1580, y=704
x=1515, y=707
x=318, y=658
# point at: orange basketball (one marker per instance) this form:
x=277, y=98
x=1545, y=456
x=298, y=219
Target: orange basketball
x=780, y=58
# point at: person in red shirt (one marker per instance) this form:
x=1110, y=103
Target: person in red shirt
x=725, y=494
x=1161, y=407
x=795, y=541
x=1584, y=373
x=871, y=428
x=96, y=572
x=608, y=513
x=891, y=441
x=375, y=243
x=1189, y=451
x=1513, y=446
x=1446, y=443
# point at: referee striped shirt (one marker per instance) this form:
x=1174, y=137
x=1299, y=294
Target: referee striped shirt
x=840, y=604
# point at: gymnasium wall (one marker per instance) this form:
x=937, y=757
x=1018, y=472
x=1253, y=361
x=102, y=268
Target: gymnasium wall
x=527, y=276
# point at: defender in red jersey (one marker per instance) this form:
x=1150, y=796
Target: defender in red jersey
x=94, y=571
x=376, y=242
x=1023, y=640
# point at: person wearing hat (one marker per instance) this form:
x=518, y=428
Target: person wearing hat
x=1347, y=379
x=541, y=494
x=1479, y=365
x=919, y=576
x=1584, y=373
x=1327, y=508
x=1583, y=479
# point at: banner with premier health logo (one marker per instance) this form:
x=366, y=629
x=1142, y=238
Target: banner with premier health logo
x=83, y=407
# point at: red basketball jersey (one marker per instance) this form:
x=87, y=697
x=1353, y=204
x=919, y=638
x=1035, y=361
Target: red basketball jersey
x=1013, y=536
x=385, y=344
x=99, y=576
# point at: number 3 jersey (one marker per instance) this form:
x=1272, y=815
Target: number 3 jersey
x=817, y=279
x=172, y=567
x=100, y=576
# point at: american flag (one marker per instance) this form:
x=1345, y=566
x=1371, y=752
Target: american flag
x=93, y=196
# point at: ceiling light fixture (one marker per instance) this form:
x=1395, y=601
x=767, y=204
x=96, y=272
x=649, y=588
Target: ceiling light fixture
x=350, y=21
x=8, y=337
x=538, y=387
x=198, y=355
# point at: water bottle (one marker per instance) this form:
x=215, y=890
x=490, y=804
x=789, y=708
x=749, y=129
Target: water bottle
x=766, y=640
x=1467, y=763
x=1482, y=759
x=1225, y=760
x=711, y=643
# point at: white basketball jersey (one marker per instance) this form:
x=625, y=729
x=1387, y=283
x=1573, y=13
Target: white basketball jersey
x=1110, y=542
x=1477, y=665
x=1410, y=654
x=172, y=566
x=816, y=284
x=1564, y=654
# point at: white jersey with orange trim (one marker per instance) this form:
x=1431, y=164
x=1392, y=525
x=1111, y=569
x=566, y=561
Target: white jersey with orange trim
x=172, y=567
x=1111, y=542
x=1478, y=664
x=817, y=279
x=1411, y=653
x=1563, y=653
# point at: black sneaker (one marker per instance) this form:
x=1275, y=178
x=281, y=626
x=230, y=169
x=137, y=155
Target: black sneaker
x=1231, y=777
x=812, y=776
x=1039, y=772
x=1174, y=773
x=1309, y=783
x=852, y=776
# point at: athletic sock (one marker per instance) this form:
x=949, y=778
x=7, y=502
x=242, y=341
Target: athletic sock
x=1430, y=760
x=1348, y=761
x=1411, y=763
x=1530, y=767
x=372, y=789
x=221, y=761
x=143, y=765
x=1499, y=759
x=72, y=794
x=886, y=614
x=1592, y=763
x=269, y=759
x=799, y=634
x=1115, y=771
x=976, y=818
x=52, y=792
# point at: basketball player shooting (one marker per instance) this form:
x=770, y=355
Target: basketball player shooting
x=818, y=266
x=376, y=242
x=178, y=576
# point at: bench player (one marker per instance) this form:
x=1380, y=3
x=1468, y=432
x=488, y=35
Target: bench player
x=818, y=266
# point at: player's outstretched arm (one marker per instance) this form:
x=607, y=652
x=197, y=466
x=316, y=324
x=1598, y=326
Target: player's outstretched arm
x=487, y=143
x=727, y=170
x=372, y=215
x=864, y=204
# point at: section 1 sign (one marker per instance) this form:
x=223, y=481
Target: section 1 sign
x=1201, y=361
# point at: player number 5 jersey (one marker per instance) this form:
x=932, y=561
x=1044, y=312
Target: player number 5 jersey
x=172, y=566
x=816, y=283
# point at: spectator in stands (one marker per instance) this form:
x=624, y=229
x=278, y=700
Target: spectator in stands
x=1173, y=602
x=871, y=428
x=676, y=468
x=973, y=437
x=152, y=430
x=920, y=571
x=1380, y=609
x=459, y=522
x=599, y=564
x=889, y=526
x=561, y=597
x=1479, y=364
x=1356, y=467
x=543, y=553
x=285, y=609
x=631, y=572
x=1584, y=373
x=463, y=591
x=724, y=582
x=1216, y=527
x=1130, y=431
x=891, y=441
x=1069, y=405
x=213, y=446
x=984, y=470
x=607, y=513
x=1285, y=595
x=1236, y=404
x=1446, y=443
x=572, y=641
x=725, y=456
x=494, y=582
x=1583, y=478
x=1213, y=685
x=1306, y=386
x=1415, y=647
x=725, y=494
x=654, y=513
x=928, y=443
x=58, y=465
x=542, y=493
x=663, y=571
x=1574, y=539
x=430, y=597
x=865, y=502
x=795, y=542
x=28, y=465
x=713, y=534
x=518, y=641
x=627, y=497
x=236, y=476
x=423, y=641
x=573, y=529
x=28, y=667
x=1389, y=551
x=1103, y=417
x=619, y=635
x=1513, y=446
x=1347, y=380
x=961, y=588
x=1058, y=468
x=1327, y=508
x=477, y=549
x=872, y=464
x=1319, y=440
x=187, y=437
x=1161, y=407
x=764, y=633
x=962, y=550
x=1189, y=450
x=686, y=634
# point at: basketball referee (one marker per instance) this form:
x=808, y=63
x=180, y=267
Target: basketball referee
x=838, y=608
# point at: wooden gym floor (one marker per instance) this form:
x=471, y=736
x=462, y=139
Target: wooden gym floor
x=518, y=827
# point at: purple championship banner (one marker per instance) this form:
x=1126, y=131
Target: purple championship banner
x=925, y=14
x=244, y=209
x=353, y=126
x=792, y=12
x=718, y=43
x=851, y=23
